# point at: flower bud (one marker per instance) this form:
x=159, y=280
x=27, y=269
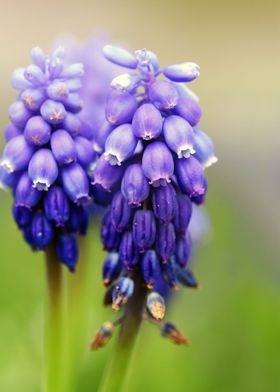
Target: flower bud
x=183, y=214
x=38, y=57
x=100, y=196
x=122, y=292
x=135, y=186
x=147, y=58
x=102, y=336
x=156, y=305
x=53, y=112
x=120, y=145
x=183, y=250
x=164, y=202
x=12, y=131
x=120, y=212
x=67, y=251
x=109, y=236
x=42, y=230
x=147, y=122
x=57, y=90
x=112, y=267
x=75, y=183
x=8, y=180
x=18, y=114
x=33, y=98
x=150, y=268
x=73, y=103
x=100, y=136
x=204, y=149
x=163, y=94
x=191, y=177
x=78, y=220
x=35, y=75
x=186, y=278
x=144, y=230
x=128, y=251
x=184, y=72
x=56, y=206
x=171, y=332
x=73, y=124
x=125, y=82
x=42, y=169
x=157, y=162
x=16, y=154
x=22, y=215
x=179, y=136
x=120, y=107
x=18, y=79
x=165, y=241
x=37, y=131
x=63, y=147
x=26, y=195
x=106, y=175
x=85, y=153
x=169, y=270
x=75, y=70
x=188, y=108
x=119, y=56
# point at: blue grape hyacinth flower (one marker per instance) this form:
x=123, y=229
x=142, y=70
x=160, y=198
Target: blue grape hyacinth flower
x=48, y=153
x=152, y=133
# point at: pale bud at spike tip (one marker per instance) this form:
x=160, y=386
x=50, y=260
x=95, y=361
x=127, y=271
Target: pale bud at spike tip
x=120, y=56
x=184, y=72
x=156, y=306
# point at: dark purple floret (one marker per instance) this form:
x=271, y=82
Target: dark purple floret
x=56, y=206
x=67, y=251
x=165, y=242
x=150, y=268
x=164, y=202
x=26, y=195
x=120, y=212
x=128, y=251
x=42, y=230
x=143, y=230
x=135, y=186
x=112, y=267
x=22, y=216
x=183, y=250
x=183, y=214
x=109, y=236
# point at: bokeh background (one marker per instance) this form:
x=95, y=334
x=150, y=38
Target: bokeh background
x=233, y=321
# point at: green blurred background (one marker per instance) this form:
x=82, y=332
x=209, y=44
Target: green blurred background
x=233, y=321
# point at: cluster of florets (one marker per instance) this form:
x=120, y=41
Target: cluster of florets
x=153, y=163
x=47, y=155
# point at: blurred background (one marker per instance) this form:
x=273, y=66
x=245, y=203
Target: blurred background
x=233, y=320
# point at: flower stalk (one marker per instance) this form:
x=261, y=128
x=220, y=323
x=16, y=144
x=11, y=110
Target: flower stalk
x=116, y=372
x=53, y=381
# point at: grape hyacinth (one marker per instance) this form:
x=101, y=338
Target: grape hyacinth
x=153, y=142
x=48, y=154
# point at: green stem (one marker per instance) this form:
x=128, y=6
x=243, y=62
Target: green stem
x=115, y=375
x=54, y=324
